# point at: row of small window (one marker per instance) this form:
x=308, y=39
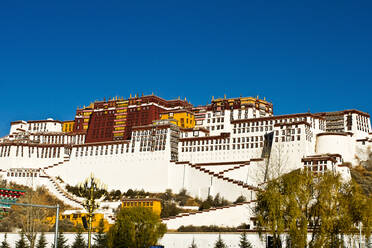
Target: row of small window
x=318, y=162
x=147, y=132
x=47, y=152
x=362, y=119
x=218, y=127
x=101, y=113
x=252, y=129
x=363, y=128
x=101, y=150
x=222, y=113
x=288, y=131
x=138, y=204
x=38, y=126
x=271, y=122
x=22, y=174
x=147, y=138
x=59, y=139
x=319, y=168
x=134, y=109
x=5, y=151
x=148, y=149
x=150, y=143
x=216, y=120
x=251, y=138
x=288, y=138
x=205, y=142
x=222, y=147
x=205, y=148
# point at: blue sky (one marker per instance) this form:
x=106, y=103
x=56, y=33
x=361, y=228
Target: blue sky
x=301, y=55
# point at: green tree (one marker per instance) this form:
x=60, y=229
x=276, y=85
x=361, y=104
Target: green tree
x=367, y=220
x=21, y=243
x=270, y=211
x=42, y=241
x=298, y=188
x=297, y=201
x=61, y=241
x=244, y=243
x=5, y=244
x=136, y=228
x=240, y=199
x=79, y=241
x=207, y=203
x=100, y=239
x=330, y=211
x=219, y=243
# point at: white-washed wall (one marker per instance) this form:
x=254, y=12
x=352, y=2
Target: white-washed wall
x=232, y=216
x=120, y=171
x=29, y=159
x=337, y=143
x=201, y=184
x=248, y=174
x=218, y=168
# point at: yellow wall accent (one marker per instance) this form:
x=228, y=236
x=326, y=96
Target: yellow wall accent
x=76, y=218
x=68, y=126
x=154, y=204
x=183, y=119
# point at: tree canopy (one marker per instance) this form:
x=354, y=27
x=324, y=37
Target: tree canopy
x=136, y=228
x=244, y=243
x=79, y=241
x=42, y=243
x=219, y=243
x=299, y=201
x=100, y=239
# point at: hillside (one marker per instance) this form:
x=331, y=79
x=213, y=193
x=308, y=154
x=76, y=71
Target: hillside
x=16, y=217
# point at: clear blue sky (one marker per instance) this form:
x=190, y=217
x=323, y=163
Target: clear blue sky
x=301, y=55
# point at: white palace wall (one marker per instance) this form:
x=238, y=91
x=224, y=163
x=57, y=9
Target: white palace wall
x=148, y=171
x=201, y=184
x=148, y=161
x=27, y=157
x=229, y=216
x=334, y=143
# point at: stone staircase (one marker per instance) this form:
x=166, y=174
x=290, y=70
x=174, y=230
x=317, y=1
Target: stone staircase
x=227, y=216
x=60, y=192
x=205, y=211
x=219, y=176
x=66, y=158
x=234, y=168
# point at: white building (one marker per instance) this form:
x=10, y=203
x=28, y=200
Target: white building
x=224, y=154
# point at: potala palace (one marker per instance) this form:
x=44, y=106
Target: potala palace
x=146, y=142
